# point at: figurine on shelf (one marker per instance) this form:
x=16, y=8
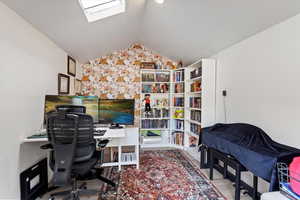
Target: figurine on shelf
x=153, y=88
x=147, y=104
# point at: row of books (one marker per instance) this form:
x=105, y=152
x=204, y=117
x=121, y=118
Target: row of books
x=178, y=76
x=155, y=123
x=178, y=138
x=158, y=77
x=178, y=101
x=155, y=88
x=178, y=113
x=156, y=113
x=196, y=86
x=196, y=115
x=196, y=73
x=179, y=88
x=195, y=102
x=179, y=124
x=195, y=128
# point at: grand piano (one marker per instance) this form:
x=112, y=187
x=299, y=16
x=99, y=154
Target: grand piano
x=251, y=147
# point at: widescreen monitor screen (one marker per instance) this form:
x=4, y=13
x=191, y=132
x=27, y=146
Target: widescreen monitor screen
x=90, y=102
x=116, y=111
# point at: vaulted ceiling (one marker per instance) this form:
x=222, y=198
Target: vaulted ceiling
x=179, y=29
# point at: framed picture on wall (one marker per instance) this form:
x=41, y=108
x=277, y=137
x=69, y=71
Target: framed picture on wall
x=77, y=87
x=63, y=84
x=71, y=66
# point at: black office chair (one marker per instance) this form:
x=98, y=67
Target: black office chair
x=74, y=152
x=101, y=143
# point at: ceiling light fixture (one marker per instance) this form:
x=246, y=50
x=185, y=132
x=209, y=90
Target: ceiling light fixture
x=159, y=1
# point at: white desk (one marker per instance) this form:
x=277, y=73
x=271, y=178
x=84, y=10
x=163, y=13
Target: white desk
x=117, y=138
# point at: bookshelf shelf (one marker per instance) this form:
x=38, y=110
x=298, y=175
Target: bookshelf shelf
x=153, y=129
x=196, y=78
x=194, y=122
x=194, y=108
x=155, y=118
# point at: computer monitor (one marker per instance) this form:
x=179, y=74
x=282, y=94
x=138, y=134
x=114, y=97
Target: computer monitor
x=116, y=111
x=90, y=102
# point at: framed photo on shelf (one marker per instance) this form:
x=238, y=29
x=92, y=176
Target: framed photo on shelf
x=63, y=84
x=148, y=65
x=71, y=66
x=77, y=86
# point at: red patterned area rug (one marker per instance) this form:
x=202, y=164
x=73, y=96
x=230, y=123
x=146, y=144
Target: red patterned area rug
x=166, y=175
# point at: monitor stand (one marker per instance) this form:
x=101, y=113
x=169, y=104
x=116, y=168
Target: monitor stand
x=116, y=126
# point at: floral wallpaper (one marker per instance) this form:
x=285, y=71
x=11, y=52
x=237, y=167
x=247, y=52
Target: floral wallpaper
x=117, y=75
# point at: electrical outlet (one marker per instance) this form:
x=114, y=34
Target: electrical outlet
x=224, y=93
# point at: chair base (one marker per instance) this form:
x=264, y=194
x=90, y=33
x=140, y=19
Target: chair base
x=75, y=192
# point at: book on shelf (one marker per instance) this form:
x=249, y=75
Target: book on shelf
x=165, y=113
x=156, y=113
x=196, y=115
x=179, y=88
x=178, y=113
x=196, y=73
x=178, y=101
x=193, y=141
x=196, y=86
x=163, y=77
x=155, y=123
x=195, y=102
x=179, y=124
x=148, y=77
x=178, y=76
x=178, y=138
x=195, y=128
x=155, y=88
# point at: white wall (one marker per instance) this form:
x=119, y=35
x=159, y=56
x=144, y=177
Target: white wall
x=262, y=76
x=29, y=63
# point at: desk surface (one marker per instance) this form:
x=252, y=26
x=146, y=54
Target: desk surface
x=110, y=133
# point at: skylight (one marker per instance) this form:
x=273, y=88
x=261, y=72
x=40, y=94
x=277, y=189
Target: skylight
x=99, y=9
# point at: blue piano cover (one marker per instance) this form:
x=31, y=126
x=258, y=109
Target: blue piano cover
x=252, y=147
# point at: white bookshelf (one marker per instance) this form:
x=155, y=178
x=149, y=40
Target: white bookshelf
x=207, y=107
x=205, y=93
x=163, y=139
x=177, y=132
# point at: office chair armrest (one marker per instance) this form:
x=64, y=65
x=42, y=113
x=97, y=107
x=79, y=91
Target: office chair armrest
x=102, y=144
x=46, y=146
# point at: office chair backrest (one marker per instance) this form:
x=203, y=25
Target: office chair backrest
x=71, y=108
x=71, y=136
x=63, y=127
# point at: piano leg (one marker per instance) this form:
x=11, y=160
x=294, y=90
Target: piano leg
x=255, y=183
x=211, y=164
x=237, y=182
x=225, y=169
